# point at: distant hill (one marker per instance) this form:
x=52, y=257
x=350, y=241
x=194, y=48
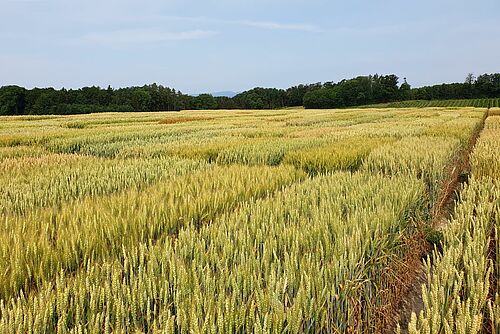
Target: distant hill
x=225, y=93
x=219, y=94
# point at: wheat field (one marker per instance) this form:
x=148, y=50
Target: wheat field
x=277, y=221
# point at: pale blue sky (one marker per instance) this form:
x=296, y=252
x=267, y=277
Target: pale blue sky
x=214, y=45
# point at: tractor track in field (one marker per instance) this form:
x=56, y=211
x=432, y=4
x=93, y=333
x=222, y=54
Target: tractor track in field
x=409, y=294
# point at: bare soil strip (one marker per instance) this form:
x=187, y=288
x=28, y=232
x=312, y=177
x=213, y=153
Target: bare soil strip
x=404, y=278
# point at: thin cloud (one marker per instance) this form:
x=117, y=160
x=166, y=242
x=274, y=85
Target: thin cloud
x=142, y=36
x=278, y=26
x=270, y=25
x=370, y=30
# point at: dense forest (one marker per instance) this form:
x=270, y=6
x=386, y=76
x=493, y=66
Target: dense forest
x=361, y=90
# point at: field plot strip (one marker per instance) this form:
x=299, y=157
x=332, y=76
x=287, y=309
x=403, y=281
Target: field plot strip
x=39, y=245
x=477, y=103
x=53, y=179
x=461, y=294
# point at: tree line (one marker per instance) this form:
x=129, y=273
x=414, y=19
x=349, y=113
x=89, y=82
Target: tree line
x=16, y=100
x=362, y=90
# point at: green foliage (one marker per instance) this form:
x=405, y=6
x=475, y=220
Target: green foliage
x=434, y=237
x=261, y=98
x=12, y=100
x=205, y=101
x=354, y=92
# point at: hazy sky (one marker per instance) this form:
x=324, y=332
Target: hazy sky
x=214, y=45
